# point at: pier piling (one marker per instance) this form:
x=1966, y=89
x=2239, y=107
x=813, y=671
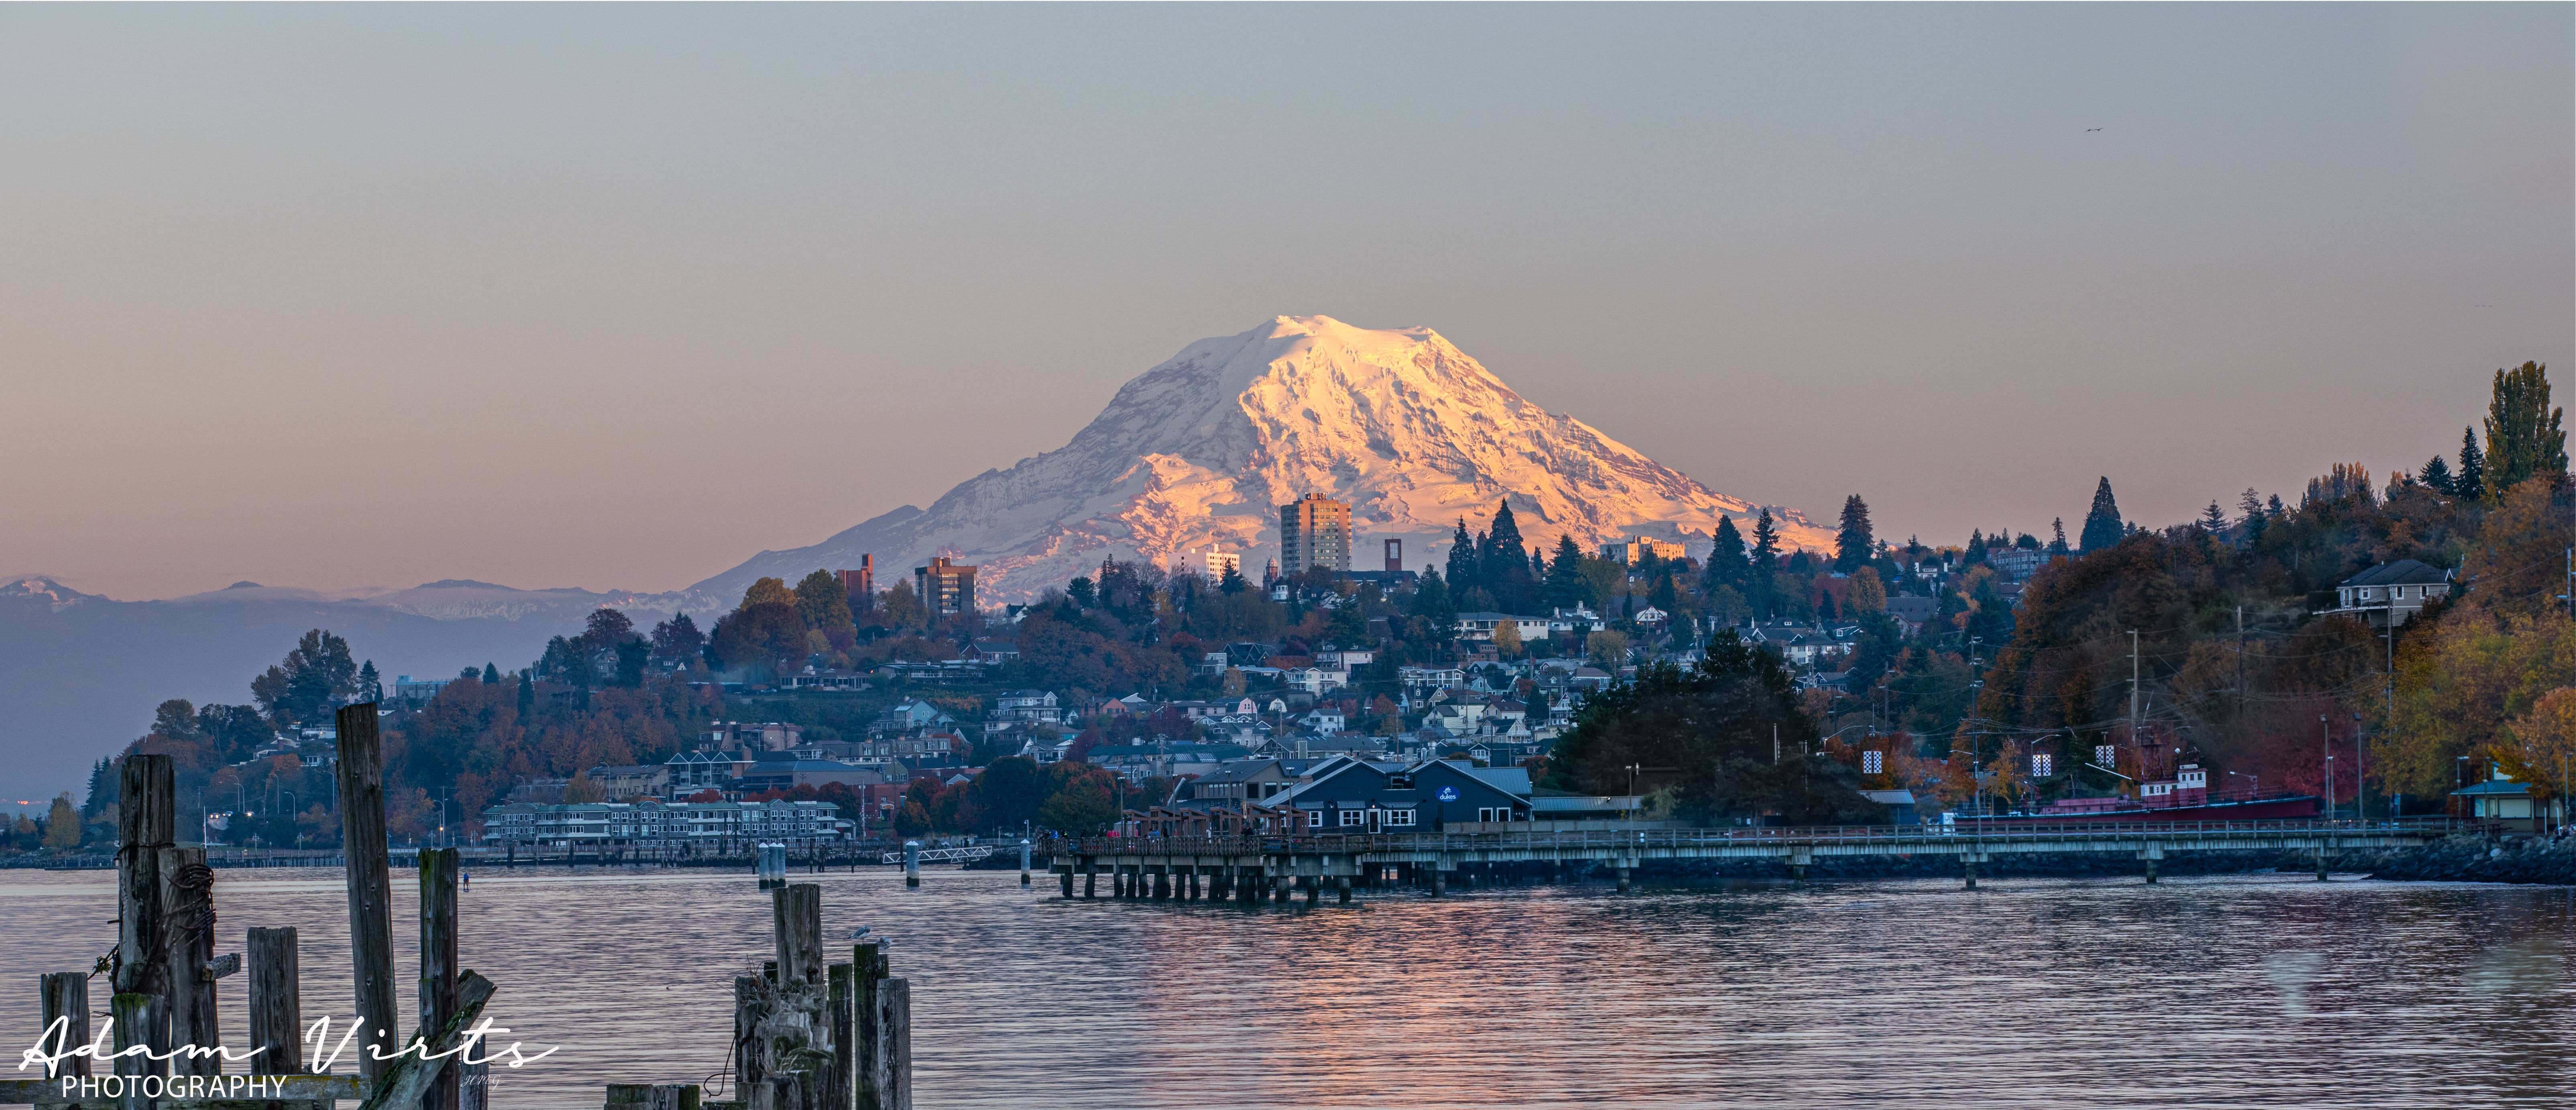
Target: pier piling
x=438, y=961
x=362, y=841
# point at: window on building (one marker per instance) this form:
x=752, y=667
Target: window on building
x=1399, y=818
x=1314, y=818
x=1352, y=817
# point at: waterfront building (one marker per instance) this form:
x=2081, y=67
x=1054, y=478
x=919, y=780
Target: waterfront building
x=947, y=587
x=653, y=822
x=1314, y=531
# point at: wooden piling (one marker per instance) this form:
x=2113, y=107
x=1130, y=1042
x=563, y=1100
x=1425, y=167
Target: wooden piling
x=132, y=1014
x=796, y=920
x=146, y=820
x=840, y=1090
x=1342, y=889
x=276, y=1009
x=867, y=1019
x=438, y=962
x=750, y=1004
x=370, y=883
x=895, y=1045
x=66, y=998
x=188, y=918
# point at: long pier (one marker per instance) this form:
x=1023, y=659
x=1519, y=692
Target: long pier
x=1270, y=868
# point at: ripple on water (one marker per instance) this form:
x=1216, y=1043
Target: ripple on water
x=2235, y=991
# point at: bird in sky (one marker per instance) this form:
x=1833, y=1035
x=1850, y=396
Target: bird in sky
x=2090, y=130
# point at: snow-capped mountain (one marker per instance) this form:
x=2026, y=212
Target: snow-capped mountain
x=1403, y=426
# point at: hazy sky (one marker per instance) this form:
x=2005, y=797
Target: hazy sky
x=616, y=296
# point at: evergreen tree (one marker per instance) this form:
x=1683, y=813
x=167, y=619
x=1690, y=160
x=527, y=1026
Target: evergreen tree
x=491, y=675
x=1231, y=582
x=1765, y=560
x=2437, y=474
x=1853, y=544
x=2214, y=520
x=1463, y=572
x=1725, y=559
x=1664, y=596
x=2103, y=527
x=2250, y=507
x=2057, y=545
x=1976, y=552
x=1507, y=568
x=1431, y=602
x=103, y=784
x=2471, y=485
x=2523, y=433
x=1566, y=586
x=371, y=686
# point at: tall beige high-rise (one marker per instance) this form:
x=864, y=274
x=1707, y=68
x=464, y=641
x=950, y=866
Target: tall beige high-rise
x=1314, y=531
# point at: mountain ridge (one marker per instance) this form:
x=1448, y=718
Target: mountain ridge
x=1409, y=430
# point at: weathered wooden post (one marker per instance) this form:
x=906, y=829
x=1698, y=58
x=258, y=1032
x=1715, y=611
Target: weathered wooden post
x=840, y=1091
x=1024, y=862
x=1342, y=889
x=438, y=963
x=370, y=883
x=132, y=1012
x=146, y=823
x=188, y=915
x=796, y=919
x=66, y=998
x=750, y=1005
x=867, y=988
x=276, y=1008
x=1623, y=877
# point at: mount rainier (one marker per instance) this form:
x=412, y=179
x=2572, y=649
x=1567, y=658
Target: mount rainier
x=1403, y=426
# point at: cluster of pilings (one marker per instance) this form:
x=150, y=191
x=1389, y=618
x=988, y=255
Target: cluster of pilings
x=164, y=971
x=810, y=1035
x=1281, y=880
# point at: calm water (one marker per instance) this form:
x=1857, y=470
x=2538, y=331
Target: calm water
x=2242, y=991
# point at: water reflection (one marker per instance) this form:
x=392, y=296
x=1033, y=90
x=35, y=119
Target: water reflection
x=2250, y=990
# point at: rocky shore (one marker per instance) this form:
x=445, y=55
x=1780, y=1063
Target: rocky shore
x=2480, y=860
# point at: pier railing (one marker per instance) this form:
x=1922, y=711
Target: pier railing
x=1996, y=831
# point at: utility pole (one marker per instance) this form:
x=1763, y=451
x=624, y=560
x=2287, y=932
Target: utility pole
x=2134, y=740
x=2240, y=666
x=2325, y=733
